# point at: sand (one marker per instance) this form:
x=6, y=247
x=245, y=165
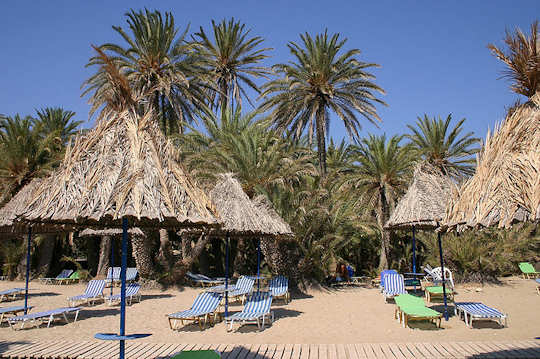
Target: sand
x=346, y=315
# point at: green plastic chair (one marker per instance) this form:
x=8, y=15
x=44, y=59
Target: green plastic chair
x=527, y=270
x=197, y=354
x=410, y=307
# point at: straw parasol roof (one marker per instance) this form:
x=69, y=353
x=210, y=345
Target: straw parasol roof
x=276, y=224
x=124, y=167
x=424, y=204
x=506, y=185
x=111, y=232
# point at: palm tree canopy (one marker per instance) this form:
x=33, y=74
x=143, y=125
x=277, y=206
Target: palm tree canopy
x=156, y=61
x=322, y=79
x=522, y=60
x=443, y=147
x=232, y=59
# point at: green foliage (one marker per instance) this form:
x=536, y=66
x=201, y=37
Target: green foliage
x=434, y=142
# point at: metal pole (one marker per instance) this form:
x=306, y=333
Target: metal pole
x=443, y=277
x=227, y=275
x=28, y=244
x=258, y=265
x=414, y=255
x=123, y=288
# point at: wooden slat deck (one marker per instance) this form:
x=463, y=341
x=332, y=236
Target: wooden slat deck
x=143, y=350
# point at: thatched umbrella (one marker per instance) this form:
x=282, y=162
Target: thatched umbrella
x=423, y=207
x=123, y=170
x=506, y=185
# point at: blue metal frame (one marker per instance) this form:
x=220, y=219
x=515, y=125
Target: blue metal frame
x=29, y=243
x=443, y=276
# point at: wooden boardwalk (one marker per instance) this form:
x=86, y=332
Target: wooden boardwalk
x=109, y=350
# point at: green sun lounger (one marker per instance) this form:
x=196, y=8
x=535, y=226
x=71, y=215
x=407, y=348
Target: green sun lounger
x=437, y=291
x=527, y=270
x=410, y=307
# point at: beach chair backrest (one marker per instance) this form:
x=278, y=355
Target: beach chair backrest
x=131, y=273
x=384, y=273
x=245, y=283
x=206, y=302
x=64, y=274
x=394, y=283
x=526, y=268
x=278, y=285
x=132, y=289
x=95, y=288
x=258, y=303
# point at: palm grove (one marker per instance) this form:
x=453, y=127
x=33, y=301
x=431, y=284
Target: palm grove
x=225, y=111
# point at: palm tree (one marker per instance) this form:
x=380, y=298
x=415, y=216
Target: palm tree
x=156, y=62
x=57, y=122
x=436, y=143
x=24, y=153
x=232, y=59
x=382, y=175
x=319, y=82
x=522, y=60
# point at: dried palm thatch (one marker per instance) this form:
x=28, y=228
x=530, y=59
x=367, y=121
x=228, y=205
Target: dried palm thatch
x=276, y=224
x=111, y=232
x=424, y=204
x=506, y=186
x=124, y=167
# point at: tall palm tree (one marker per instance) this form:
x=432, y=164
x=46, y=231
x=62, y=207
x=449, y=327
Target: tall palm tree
x=318, y=82
x=435, y=142
x=57, y=121
x=232, y=59
x=522, y=60
x=382, y=175
x=157, y=62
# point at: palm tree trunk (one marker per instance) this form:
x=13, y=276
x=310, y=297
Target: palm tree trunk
x=46, y=250
x=382, y=218
x=321, y=140
x=104, y=256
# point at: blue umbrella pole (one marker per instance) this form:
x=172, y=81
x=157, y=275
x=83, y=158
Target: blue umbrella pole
x=227, y=275
x=28, y=244
x=414, y=255
x=258, y=265
x=123, y=288
x=443, y=277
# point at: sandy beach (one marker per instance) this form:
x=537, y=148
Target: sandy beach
x=343, y=315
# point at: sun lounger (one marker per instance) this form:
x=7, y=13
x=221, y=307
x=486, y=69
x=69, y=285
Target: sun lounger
x=279, y=288
x=63, y=275
x=256, y=310
x=394, y=285
x=73, y=278
x=5, y=312
x=476, y=310
x=132, y=291
x=203, y=310
x=527, y=270
x=40, y=317
x=410, y=307
x=94, y=291
x=10, y=293
x=437, y=292
x=243, y=287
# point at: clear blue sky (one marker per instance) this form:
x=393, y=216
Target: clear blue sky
x=433, y=53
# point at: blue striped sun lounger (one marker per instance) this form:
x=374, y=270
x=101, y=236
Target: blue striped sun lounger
x=256, y=310
x=476, y=310
x=41, y=317
x=64, y=274
x=10, y=293
x=203, y=310
x=243, y=287
x=93, y=292
x=4, y=312
x=394, y=285
x=132, y=292
x=279, y=288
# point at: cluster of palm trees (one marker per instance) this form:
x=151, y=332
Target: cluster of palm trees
x=336, y=196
